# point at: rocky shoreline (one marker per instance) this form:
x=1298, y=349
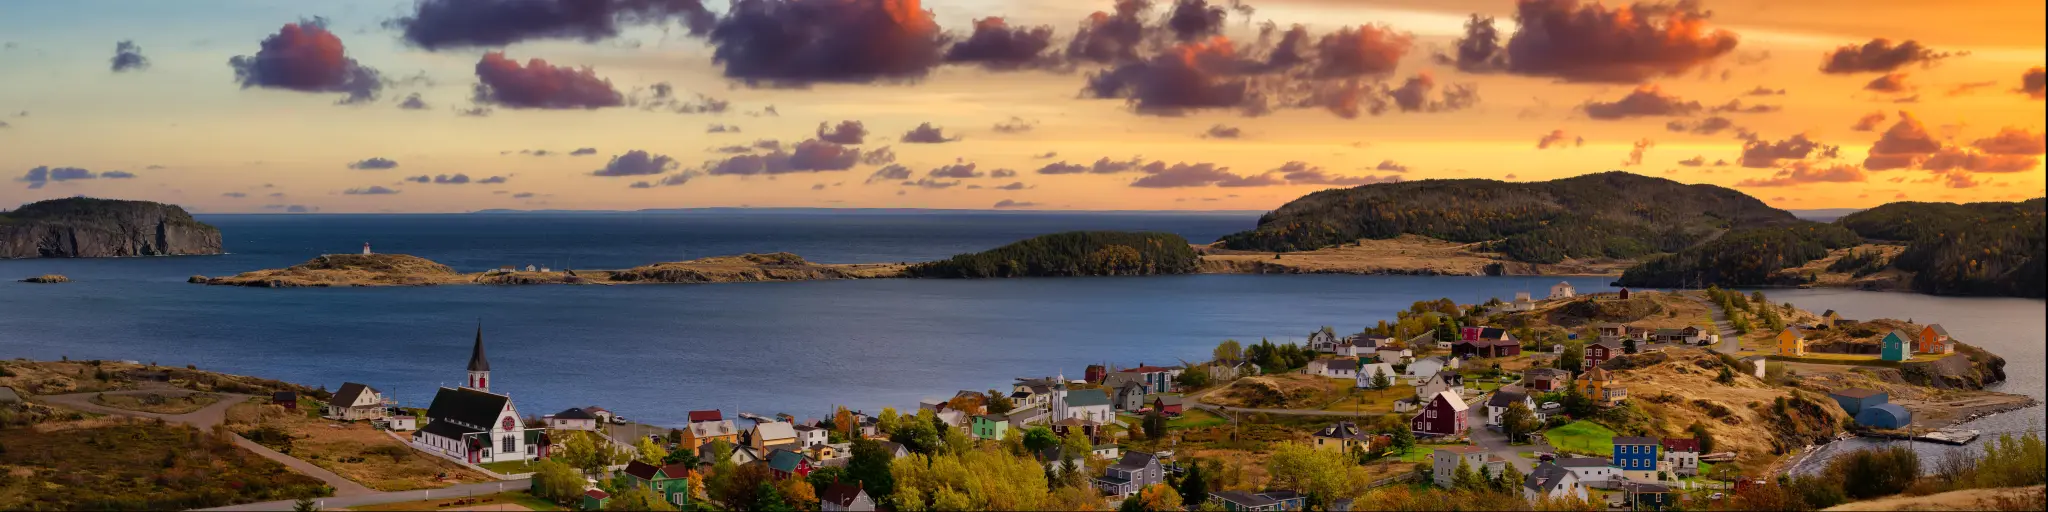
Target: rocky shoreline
x=101, y=228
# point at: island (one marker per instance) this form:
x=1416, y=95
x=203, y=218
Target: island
x=350, y=270
x=48, y=279
x=82, y=227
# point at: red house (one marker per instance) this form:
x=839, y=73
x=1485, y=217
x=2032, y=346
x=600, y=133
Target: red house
x=1486, y=348
x=1600, y=351
x=711, y=415
x=784, y=464
x=1169, y=405
x=1095, y=374
x=1444, y=416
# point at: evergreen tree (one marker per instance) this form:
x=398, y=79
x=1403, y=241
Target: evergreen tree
x=1193, y=487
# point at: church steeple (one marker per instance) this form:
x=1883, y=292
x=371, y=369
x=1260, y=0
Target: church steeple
x=479, y=368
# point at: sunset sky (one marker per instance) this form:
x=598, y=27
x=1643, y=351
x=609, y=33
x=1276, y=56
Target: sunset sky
x=404, y=106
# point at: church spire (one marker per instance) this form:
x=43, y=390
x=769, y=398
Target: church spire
x=479, y=368
x=477, y=363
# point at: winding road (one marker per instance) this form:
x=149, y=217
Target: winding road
x=205, y=419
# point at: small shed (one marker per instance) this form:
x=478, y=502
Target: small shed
x=595, y=499
x=288, y=399
x=403, y=423
x=1885, y=416
x=1757, y=365
x=1855, y=400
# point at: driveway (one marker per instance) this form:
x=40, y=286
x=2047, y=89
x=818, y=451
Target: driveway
x=1496, y=443
x=205, y=419
x=1730, y=341
x=380, y=498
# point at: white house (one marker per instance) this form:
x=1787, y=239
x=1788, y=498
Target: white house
x=1366, y=373
x=1324, y=340
x=809, y=436
x=1085, y=404
x=471, y=423
x=1393, y=355
x=1562, y=290
x=1341, y=368
x=402, y=423
x=1593, y=471
x=1428, y=366
x=1439, y=383
x=1681, y=456
x=1553, y=482
x=840, y=497
x=355, y=402
x=1497, y=405
x=573, y=418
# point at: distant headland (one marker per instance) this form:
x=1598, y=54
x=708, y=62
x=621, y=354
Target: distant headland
x=81, y=227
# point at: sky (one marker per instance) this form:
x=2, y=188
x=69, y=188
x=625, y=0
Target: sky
x=439, y=106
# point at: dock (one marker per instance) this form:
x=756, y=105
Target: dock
x=1948, y=436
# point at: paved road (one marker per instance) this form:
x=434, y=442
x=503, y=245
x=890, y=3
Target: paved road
x=1496, y=443
x=205, y=419
x=1730, y=341
x=379, y=498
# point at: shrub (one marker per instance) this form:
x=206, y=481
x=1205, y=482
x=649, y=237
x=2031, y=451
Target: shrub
x=1875, y=472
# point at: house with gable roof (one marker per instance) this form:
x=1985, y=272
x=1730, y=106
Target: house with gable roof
x=354, y=402
x=1934, y=340
x=670, y=482
x=839, y=497
x=1134, y=472
x=1442, y=416
x=473, y=424
x=1549, y=481
x=784, y=464
x=1792, y=342
x=1896, y=346
x=572, y=418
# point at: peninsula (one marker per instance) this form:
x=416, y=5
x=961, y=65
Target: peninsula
x=81, y=227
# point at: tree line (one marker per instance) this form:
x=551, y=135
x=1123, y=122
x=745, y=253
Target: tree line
x=1075, y=253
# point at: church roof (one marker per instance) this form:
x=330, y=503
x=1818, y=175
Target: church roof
x=477, y=363
x=469, y=408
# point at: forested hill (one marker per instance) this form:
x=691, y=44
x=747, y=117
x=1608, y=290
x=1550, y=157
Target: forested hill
x=1950, y=249
x=1965, y=249
x=1075, y=253
x=1610, y=215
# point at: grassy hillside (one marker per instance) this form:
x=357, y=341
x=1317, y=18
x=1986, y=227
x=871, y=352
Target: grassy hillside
x=1605, y=215
x=1076, y=253
x=1741, y=258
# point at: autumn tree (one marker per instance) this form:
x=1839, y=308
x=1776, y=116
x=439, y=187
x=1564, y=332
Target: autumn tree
x=1327, y=473
x=637, y=498
x=556, y=482
x=1518, y=421
x=1159, y=497
x=1228, y=350
x=1465, y=479
x=1037, y=439
x=650, y=452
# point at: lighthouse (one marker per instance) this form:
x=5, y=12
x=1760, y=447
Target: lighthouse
x=366, y=248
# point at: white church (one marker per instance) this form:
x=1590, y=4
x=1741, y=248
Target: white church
x=471, y=423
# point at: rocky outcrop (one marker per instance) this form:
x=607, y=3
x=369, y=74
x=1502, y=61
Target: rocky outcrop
x=102, y=228
x=1975, y=368
x=48, y=279
x=347, y=270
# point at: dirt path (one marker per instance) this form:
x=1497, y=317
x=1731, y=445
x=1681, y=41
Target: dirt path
x=1731, y=342
x=205, y=419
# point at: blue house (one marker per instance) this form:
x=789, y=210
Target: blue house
x=1895, y=347
x=1854, y=400
x=1636, y=453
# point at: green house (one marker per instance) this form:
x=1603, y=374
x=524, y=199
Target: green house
x=1895, y=344
x=671, y=482
x=595, y=499
x=990, y=426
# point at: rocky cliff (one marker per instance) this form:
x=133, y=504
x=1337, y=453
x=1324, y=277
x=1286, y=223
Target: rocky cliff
x=99, y=228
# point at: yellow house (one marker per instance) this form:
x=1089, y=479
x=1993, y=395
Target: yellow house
x=1831, y=319
x=1600, y=385
x=1342, y=436
x=701, y=433
x=1792, y=342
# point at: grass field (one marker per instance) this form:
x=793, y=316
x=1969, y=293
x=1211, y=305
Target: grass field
x=514, y=498
x=1582, y=437
x=158, y=403
x=1192, y=418
x=126, y=464
x=358, y=452
x=508, y=467
x=1370, y=401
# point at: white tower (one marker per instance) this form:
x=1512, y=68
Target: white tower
x=366, y=248
x=479, y=368
x=1059, y=398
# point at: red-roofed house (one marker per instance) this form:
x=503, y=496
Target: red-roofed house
x=1682, y=456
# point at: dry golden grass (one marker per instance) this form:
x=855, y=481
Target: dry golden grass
x=1888, y=279
x=160, y=403
x=1406, y=254
x=2006, y=498
x=1738, y=414
x=360, y=453
x=1283, y=391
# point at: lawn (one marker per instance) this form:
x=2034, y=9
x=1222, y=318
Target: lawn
x=129, y=464
x=1582, y=437
x=158, y=403
x=515, y=498
x=1193, y=418
x=356, y=451
x=1370, y=401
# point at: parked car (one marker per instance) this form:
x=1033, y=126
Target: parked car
x=618, y=420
